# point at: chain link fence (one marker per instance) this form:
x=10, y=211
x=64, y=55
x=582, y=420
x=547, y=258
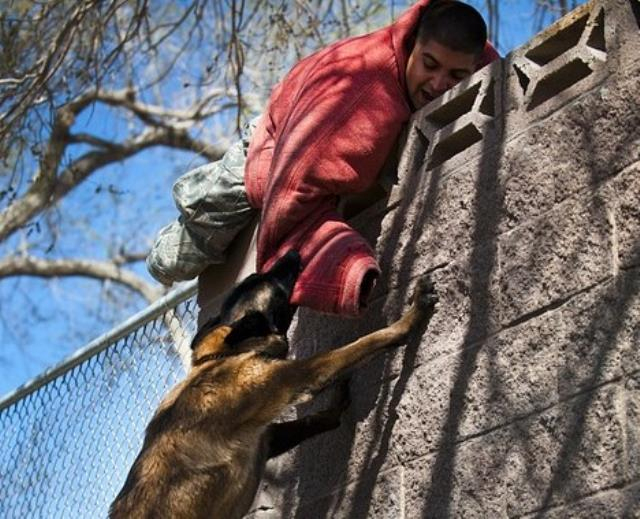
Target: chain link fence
x=70, y=436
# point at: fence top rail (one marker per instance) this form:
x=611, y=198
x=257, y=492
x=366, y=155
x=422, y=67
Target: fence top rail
x=154, y=310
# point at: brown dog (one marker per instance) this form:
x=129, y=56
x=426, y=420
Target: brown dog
x=206, y=447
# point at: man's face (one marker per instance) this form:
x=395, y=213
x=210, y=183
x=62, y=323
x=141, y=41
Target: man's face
x=432, y=69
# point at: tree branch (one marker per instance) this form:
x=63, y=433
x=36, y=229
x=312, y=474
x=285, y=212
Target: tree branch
x=12, y=266
x=47, y=65
x=36, y=198
x=88, y=163
x=46, y=190
x=123, y=257
x=153, y=115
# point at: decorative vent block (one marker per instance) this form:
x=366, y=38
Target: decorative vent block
x=460, y=120
x=570, y=51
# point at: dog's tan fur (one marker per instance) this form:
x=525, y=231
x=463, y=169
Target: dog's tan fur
x=204, y=450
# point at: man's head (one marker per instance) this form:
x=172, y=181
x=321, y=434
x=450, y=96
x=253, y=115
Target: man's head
x=449, y=43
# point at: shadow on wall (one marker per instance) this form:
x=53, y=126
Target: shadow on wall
x=362, y=449
x=546, y=262
x=486, y=212
x=327, y=462
x=600, y=341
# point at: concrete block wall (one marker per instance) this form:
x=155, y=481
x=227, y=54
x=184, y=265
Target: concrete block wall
x=519, y=191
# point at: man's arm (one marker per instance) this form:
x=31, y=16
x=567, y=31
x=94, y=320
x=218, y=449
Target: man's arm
x=332, y=127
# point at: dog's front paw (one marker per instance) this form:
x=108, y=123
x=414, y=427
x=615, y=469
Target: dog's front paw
x=425, y=296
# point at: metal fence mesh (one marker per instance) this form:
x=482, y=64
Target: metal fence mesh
x=67, y=445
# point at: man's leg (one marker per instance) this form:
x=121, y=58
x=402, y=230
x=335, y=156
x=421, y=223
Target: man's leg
x=214, y=209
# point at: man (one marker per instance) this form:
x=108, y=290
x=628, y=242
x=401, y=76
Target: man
x=327, y=131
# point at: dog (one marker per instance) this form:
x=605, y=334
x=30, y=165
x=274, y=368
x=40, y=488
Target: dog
x=206, y=447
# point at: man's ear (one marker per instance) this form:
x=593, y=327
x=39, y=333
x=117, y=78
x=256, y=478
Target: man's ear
x=253, y=324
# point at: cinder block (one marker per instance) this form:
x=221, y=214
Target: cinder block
x=468, y=306
x=466, y=480
x=563, y=61
x=625, y=35
x=561, y=253
x=389, y=421
x=521, y=370
x=631, y=497
x=632, y=415
x=635, y=8
x=558, y=456
x=530, y=172
x=540, y=170
x=573, y=450
x=627, y=189
x=623, y=503
x=515, y=373
x=610, y=119
x=467, y=309
x=576, y=347
x=413, y=154
x=595, y=339
x=413, y=203
x=575, y=149
x=422, y=409
x=605, y=505
x=465, y=121
x=374, y=496
x=629, y=310
x=438, y=218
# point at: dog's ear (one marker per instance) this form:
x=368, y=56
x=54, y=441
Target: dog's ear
x=253, y=324
x=202, y=332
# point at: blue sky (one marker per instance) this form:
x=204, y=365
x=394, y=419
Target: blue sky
x=103, y=206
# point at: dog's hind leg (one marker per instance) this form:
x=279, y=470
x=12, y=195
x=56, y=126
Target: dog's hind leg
x=284, y=436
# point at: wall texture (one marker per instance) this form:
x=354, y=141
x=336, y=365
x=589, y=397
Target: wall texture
x=519, y=191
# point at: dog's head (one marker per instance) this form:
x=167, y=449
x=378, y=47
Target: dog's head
x=255, y=316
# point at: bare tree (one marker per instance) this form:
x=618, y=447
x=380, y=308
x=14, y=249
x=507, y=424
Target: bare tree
x=541, y=12
x=547, y=11
x=168, y=75
x=177, y=76
x=86, y=53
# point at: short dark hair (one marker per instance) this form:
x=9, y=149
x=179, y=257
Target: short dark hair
x=453, y=24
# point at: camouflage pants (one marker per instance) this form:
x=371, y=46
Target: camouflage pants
x=213, y=209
